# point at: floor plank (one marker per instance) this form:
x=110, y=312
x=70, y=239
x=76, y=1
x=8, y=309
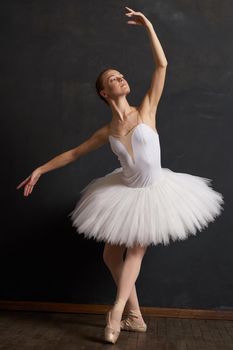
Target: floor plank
x=57, y=331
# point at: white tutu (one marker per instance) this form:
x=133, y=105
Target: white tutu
x=175, y=207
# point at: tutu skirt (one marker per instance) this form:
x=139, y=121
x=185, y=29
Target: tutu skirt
x=173, y=208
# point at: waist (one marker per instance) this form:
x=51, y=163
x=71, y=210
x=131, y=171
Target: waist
x=137, y=179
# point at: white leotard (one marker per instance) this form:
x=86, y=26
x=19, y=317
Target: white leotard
x=139, y=155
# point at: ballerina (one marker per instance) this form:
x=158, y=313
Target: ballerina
x=139, y=203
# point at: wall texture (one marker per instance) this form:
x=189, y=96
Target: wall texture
x=51, y=54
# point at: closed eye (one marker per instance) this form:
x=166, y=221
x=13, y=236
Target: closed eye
x=115, y=78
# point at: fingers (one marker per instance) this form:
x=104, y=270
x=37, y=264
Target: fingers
x=135, y=12
x=22, y=183
x=28, y=189
x=29, y=183
x=131, y=11
x=133, y=22
x=139, y=16
x=129, y=8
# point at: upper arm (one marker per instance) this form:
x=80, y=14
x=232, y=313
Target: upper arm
x=151, y=99
x=96, y=140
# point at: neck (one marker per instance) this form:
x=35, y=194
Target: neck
x=120, y=109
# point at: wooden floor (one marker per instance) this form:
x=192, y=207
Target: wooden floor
x=58, y=331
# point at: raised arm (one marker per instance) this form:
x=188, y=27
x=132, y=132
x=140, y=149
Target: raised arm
x=151, y=99
x=97, y=139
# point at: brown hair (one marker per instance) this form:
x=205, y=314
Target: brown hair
x=99, y=84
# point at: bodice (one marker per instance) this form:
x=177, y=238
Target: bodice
x=139, y=155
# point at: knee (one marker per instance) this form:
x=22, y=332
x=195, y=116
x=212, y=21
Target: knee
x=137, y=252
x=112, y=257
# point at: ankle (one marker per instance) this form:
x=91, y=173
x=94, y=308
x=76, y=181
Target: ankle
x=117, y=309
x=136, y=312
x=119, y=302
x=119, y=305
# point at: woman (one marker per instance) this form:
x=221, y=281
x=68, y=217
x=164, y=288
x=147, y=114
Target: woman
x=139, y=203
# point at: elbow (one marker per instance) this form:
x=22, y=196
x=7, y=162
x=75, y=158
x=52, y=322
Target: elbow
x=74, y=154
x=163, y=64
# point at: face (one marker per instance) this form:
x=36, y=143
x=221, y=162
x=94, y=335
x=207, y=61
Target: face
x=115, y=84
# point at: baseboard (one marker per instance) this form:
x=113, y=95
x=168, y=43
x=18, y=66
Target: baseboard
x=102, y=309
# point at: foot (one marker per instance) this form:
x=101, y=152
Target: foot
x=112, y=329
x=134, y=322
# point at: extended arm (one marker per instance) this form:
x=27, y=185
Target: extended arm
x=97, y=139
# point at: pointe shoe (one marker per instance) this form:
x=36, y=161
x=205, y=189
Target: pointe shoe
x=110, y=334
x=130, y=323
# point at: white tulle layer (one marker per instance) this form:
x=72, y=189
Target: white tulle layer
x=173, y=208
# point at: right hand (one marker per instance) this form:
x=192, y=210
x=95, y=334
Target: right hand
x=139, y=18
x=30, y=182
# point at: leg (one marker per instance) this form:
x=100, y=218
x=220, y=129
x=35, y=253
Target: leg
x=113, y=258
x=128, y=276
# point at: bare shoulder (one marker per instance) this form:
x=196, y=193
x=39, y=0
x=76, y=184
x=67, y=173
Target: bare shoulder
x=102, y=133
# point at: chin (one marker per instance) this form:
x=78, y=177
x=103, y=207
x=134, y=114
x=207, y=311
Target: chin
x=128, y=91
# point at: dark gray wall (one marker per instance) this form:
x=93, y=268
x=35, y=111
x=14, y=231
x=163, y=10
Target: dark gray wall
x=51, y=54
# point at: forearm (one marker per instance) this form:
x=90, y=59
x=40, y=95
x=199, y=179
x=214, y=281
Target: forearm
x=157, y=50
x=57, y=162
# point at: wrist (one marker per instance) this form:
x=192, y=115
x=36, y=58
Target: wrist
x=40, y=170
x=148, y=24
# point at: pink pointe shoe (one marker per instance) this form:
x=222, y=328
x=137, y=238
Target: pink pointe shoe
x=110, y=334
x=130, y=323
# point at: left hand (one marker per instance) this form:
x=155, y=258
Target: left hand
x=139, y=18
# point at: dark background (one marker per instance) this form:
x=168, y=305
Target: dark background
x=51, y=54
